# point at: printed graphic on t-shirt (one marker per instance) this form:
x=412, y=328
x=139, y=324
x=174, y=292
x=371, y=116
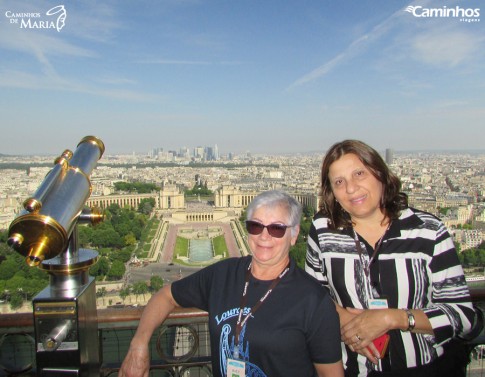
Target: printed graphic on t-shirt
x=227, y=346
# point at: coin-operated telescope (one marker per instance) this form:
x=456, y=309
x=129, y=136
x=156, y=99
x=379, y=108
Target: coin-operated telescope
x=45, y=232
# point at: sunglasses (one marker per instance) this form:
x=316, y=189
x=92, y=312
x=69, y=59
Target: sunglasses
x=274, y=230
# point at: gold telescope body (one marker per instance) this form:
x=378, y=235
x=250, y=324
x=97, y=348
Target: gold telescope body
x=43, y=228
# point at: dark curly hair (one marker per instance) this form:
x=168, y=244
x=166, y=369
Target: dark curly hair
x=393, y=201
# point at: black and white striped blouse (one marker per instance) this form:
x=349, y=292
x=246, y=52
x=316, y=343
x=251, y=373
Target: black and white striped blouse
x=416, y=267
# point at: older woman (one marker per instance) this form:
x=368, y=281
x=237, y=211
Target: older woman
x=267, y=317
x=391, y=269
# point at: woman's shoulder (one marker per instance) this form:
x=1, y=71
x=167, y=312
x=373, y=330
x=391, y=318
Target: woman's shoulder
x=219, y=271
x=306, y=283
x=320, y=221
x=420, y=219
x=233, y=262
x=322, y=226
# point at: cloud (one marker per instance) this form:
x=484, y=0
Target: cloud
x=25, y=80
x=116, y=81
x=174, y=62
x=357, y=47
x=394, y=22
x=189, y=62
x=38, y=43
x=47, y=47
x=25, y=41
x=446, y=48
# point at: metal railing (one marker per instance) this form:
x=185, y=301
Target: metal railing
x=179, y=348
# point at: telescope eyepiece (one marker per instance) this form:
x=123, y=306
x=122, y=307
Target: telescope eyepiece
x=15, y=240
x=64, y=158
x=32, y=205
x=33, y=261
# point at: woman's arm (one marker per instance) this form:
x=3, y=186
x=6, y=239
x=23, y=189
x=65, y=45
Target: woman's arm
x=137, y=360
x=370, y=324
x=450, y=312
x=367, y=325
x=330, y=370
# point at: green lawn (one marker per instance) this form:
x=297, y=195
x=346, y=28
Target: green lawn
x=220, y=247
x=181, y=247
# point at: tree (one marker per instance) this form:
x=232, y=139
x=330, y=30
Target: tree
x=146, y=206
x=16, y=300
x=8, y=268
x=140, y=288
x=308, y=211
x=199, y=189
x=116, y=271
x=16, y=282
x=123, y=255
x=130, y=239
x=305, y=229
x=101, y=268
x=243, y=216
x=112, y=210
x=101, y=293
x=139, y=187
x=125, y=292
x=156, y=283
x=85, y=234
x=298, y=253
x=444, y=210
x=107, y=238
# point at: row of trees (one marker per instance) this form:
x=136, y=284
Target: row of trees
x=115, y=239
x=298, y=251
x=18, y=281
x=122, y=227
x=199, y=189
x=138, y=187
x=138, y=288
x=473, y=257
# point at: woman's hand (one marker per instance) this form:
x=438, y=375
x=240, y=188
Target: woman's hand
x=136, y=363
x=365, y=326
x=345, y=314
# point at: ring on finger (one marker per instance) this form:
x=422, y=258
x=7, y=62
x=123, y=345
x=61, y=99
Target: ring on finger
x=359, y=339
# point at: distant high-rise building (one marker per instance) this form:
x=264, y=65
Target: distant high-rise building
x=199, y=152
x=184, y=152
x=209, y=154
x=154, y=152
x=389, y=156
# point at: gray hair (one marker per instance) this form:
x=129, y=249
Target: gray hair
x=275, y=198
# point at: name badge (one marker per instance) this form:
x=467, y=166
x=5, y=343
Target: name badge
x=236, y=368
x=378, y=303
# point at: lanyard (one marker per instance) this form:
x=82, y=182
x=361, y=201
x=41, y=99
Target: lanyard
x=374, y=254
x=240, y=321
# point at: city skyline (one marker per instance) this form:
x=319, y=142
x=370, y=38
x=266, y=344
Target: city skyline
x=148, y=152
x=269, y=78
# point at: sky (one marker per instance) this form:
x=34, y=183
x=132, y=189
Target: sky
x=287, y=76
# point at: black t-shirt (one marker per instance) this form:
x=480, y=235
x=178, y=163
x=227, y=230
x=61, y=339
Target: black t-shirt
x=297, y=325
